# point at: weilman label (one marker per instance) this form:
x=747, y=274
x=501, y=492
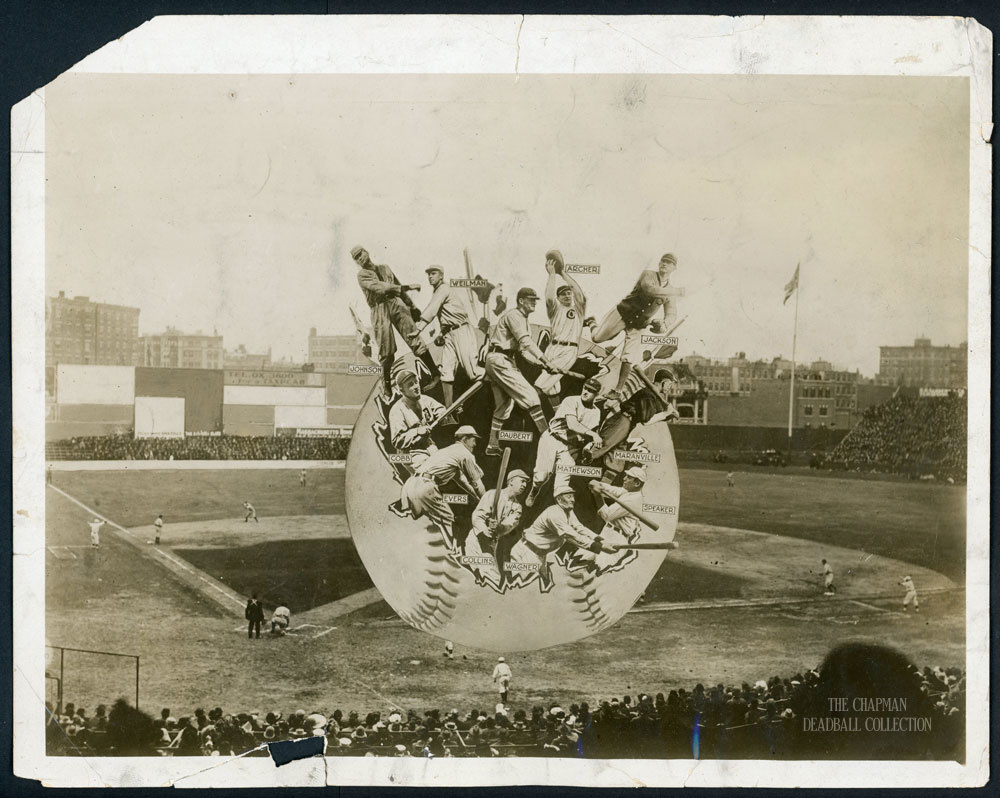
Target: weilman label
x=464, y=283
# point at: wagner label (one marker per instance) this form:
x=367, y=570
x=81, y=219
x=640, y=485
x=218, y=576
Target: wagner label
x=668, y=340
x=520, y=437
x=455, y=498
x=401, y=457
x=666, y=509
x=636, y=457
x=356, y=368
x=582, y=268
x=464, y=283
x=580, y=471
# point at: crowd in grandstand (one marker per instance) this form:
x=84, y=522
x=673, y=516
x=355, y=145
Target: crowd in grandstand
x=208, y=447
x=761, y=720
x=919, y=437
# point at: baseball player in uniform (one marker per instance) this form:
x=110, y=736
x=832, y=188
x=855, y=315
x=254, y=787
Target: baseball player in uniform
x=501, y=678
x=251, y=513
x=509, y=336
x=487, y=530
x=410, y=417
x=456, y=333
x=565, y=305
x=828, y=587
x=280, y=619
x=158, y=529
x=620, y=526
x=571, y=428
x=95, y=532
x=391, y=307
x=554, y=527
x=634, y=314
x=421, y=493
x=911, y=594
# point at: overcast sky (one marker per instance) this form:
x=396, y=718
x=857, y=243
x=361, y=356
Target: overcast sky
x=232, y=202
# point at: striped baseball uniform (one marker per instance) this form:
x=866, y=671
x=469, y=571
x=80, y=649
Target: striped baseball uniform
x=422, y=492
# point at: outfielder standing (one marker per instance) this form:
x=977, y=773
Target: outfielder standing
x=251, y=512
x=828, y=586
x=509, y=336
x=456, y=333
x=95, y=532
x=501, y=677
x=565, y=305
x=158, y=529
x=391, y=307
x=911, y=594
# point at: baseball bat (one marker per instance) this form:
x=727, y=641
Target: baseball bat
x=504, y=462
x=635, y=513
x=670, y=545
x=457, y=403
x=469, y=274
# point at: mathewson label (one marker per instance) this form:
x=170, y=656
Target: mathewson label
x=636, y=457
x=520, y=437
x=580, y=471
x=365, y=368
x=666, y=509
x=463, y=283
x=455, y=498
x=582, y=268
x=668, y=340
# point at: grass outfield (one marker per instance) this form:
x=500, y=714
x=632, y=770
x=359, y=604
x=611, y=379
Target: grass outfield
x=193, y=655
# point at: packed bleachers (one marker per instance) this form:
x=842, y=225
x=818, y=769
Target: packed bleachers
x=215, y=447
x=767, y=719
x=918, y=437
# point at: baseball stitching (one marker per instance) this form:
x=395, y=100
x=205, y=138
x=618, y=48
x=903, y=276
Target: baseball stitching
x=436, y=605
x=583, y=596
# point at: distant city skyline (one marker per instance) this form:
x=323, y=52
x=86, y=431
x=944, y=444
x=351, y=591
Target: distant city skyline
x=232, y=202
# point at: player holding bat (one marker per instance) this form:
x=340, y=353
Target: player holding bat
x=496, y=516
x=391, y=307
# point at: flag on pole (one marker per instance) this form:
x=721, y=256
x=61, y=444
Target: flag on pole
x=792, y=285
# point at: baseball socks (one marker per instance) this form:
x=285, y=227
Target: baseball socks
x=493, y=447
x=539, y=418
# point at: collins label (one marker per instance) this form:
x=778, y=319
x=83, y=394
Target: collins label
x=520, y=437
x=669, y=340
x=666, y=509
x=580, y=471
x=636, y=457
x=455, y=498
x=358, y=368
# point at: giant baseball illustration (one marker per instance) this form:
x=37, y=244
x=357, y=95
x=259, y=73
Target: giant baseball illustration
x=523, y=495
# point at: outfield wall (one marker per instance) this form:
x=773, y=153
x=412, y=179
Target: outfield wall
x=123, y=400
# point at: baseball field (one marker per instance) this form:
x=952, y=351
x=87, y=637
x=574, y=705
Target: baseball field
x=740, y=600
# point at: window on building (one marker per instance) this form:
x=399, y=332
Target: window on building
x=823, y=410
x=807, y=410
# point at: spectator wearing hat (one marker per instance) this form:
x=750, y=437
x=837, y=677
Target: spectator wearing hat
x=488, y=530
x=573, y=426
x=421, y=493
x=456, y=335
x=635, y=314
x=509, y=337
x=556, y=526
x=566, y=306
x=502, y=676
x=391, y=307
x=410, y=419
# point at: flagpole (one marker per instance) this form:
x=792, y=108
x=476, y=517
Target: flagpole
x=795, y=335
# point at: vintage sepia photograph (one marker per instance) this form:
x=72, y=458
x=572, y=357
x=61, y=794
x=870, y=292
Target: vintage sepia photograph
x=607, y=417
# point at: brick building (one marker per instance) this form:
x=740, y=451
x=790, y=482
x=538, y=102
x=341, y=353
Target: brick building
x=174, y=349
x=924, y=365
x=78, y=331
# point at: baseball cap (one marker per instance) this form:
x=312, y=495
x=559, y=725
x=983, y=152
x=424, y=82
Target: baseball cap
x=433, y=268
x=563, y=289
x=562, y=491
x=517, y=472
x=355, y=251
x=638, y=472
x=405, y=377
x=500, y=659
x=465, y=430
x=526, y=293
x=669, y=258
x=593, y=384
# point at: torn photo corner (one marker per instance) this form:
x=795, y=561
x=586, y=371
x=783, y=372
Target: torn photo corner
x=396, y=395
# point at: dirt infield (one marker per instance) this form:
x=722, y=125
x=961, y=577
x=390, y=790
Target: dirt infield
x=720, y=586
